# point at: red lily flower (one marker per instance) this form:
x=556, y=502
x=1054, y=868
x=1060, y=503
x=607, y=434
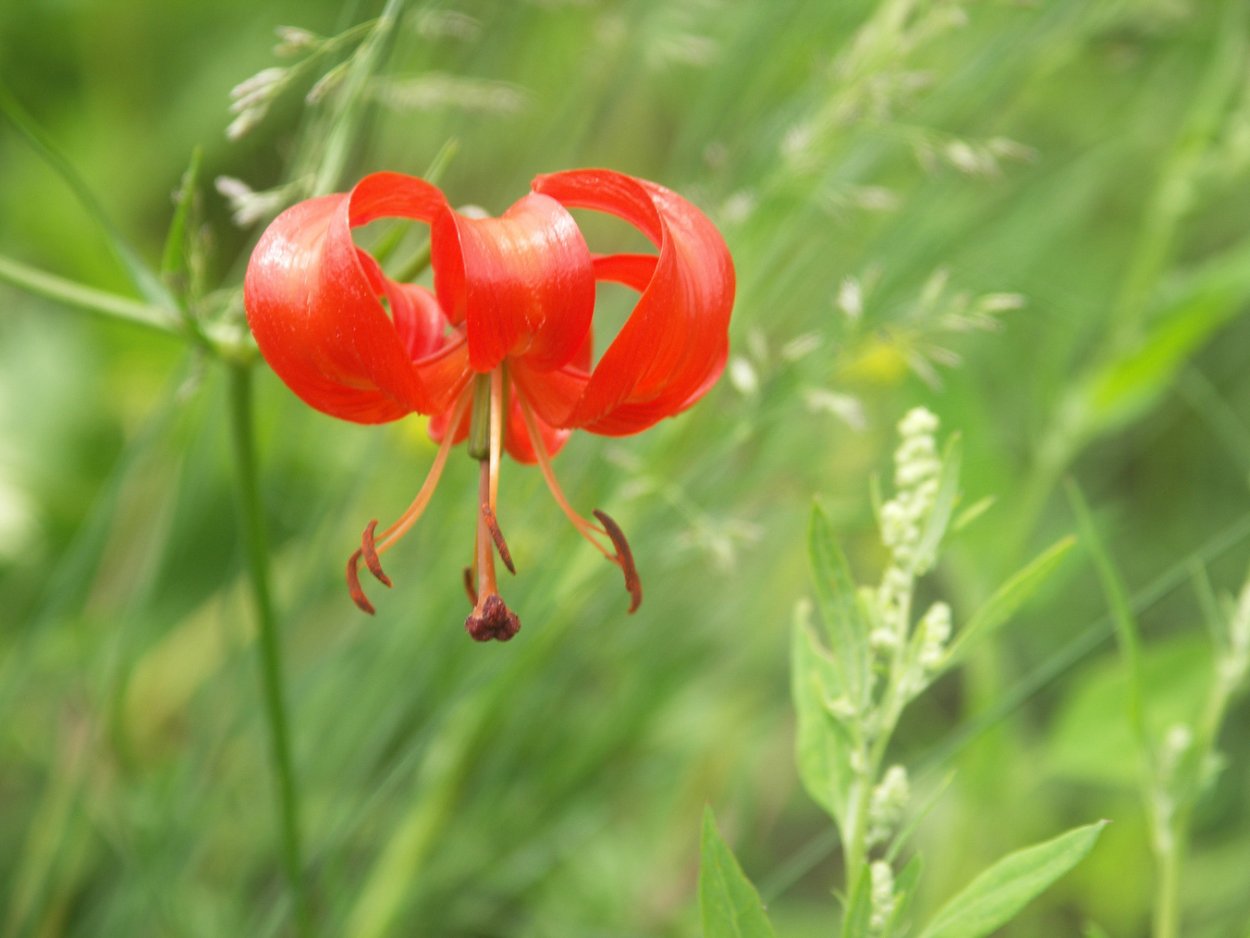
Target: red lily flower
x=501, y=351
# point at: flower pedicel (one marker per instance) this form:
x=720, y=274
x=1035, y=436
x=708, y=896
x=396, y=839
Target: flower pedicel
x=500, y=353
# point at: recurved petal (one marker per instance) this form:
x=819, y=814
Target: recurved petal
x=394, y=195
x=313, y=305
x=522, y=283
x=675, y=342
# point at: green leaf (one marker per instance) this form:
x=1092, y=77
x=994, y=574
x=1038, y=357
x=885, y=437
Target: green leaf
x=1009, y=597
x=917, y=815
x=998, y=894
x=1127, y=386
x=906, y=885
x=822, y=744
x=175, y=269
x=1091, y=741
x=728, y=903
x=943, y=504
x=846, y=623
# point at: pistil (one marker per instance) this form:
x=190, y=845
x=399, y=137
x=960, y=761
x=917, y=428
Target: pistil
x=490, y=618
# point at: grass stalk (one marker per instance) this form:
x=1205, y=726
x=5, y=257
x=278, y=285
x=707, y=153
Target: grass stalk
x=100, y=302
x=268, y=644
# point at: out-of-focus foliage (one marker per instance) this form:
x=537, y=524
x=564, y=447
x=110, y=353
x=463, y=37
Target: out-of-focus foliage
x=1028, y=216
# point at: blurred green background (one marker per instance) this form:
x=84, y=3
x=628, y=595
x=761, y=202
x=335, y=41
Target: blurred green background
x=891, y=178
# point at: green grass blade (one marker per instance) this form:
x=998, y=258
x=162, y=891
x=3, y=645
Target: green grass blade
x=146, y=282
x=72, y=293
x=175, y=266
x=1125, y=624
x=1009, y=597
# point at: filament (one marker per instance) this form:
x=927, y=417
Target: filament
x=587, y=529
x=410, y=516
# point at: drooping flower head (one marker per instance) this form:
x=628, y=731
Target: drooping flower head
x=501, y=352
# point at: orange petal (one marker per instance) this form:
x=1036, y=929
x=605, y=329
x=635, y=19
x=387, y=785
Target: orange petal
x=674, y=345
x=522, y=283
x=312, y=300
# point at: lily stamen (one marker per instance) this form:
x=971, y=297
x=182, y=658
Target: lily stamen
x=371, y=546
x=492, y=525
x=623, y=557
x=370, y=552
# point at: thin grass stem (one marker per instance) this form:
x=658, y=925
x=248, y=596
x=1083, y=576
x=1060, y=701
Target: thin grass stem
x=268, y=644
x=100, y=302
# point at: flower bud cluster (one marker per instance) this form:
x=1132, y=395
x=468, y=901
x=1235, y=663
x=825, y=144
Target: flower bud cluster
x=881, y=896
x=916, y=470
x=934, y=632
x=250, y=99
x=248, y=206
x=889, y=801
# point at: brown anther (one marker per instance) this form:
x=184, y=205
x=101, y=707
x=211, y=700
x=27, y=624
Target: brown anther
x=353, y=584
x=371, y=554
x=492, y=525
x=468, y=586
x=624, y=558
x=492, y=619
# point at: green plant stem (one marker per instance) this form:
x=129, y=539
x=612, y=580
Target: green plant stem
x=268, y=645
x=1167, y=910
x=221, y=340
x=90, y=299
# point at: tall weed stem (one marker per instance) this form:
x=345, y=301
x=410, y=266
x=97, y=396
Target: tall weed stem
x=252, y=524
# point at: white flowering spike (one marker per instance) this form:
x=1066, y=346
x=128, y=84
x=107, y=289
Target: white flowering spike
x=917, y=467
x=935, y=632
x=887, y=805
x=293, y=39
x=882, y=896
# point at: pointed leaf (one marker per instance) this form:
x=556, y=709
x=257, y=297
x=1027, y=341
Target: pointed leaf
x=175, y=269
x=1009, y=597
x=998, y=894
x=906, y=885
x=728, y=903
x=846, y=623
x=822, y=745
